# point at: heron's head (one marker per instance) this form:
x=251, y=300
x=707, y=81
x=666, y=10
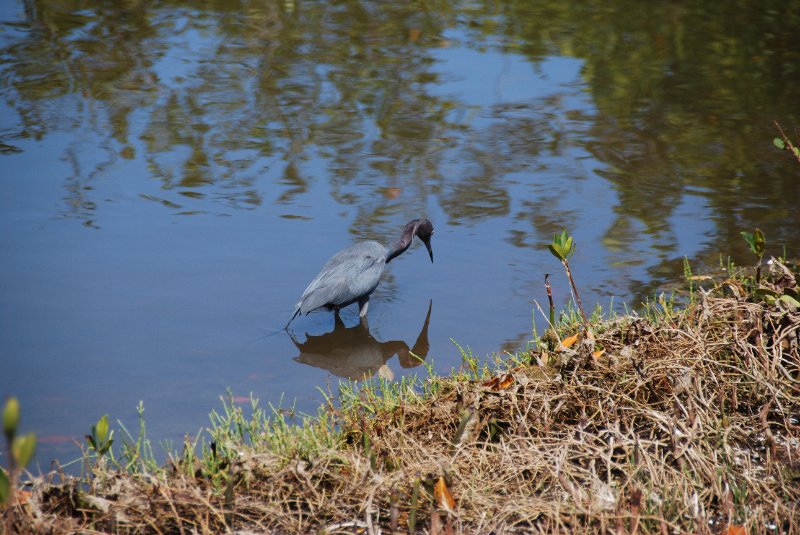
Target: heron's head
x=424, y=231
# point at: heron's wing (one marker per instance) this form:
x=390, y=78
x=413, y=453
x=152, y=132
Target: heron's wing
x=351, y=273
x=318, y=298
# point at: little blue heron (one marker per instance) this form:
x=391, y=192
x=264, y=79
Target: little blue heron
x=353, y=273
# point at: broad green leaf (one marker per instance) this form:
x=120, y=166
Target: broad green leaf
x=765, y=292
x=789, y=300
x=106, y=444
x=102, y=429
x=778, y=142
x=11, y=417
x=562, y=245
x=22, y=449
x=756, y=241
x=556, y=252
x=759, y=241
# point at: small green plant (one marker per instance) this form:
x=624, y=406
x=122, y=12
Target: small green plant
x=99, y=441
x=687, y=274
x=562, y=247
x=21, y=447
x=20, y=453
x=757, y=244
x=11, y=417
x=727, y=265
x=469, y=362
x=101, y=438
x=137, y=453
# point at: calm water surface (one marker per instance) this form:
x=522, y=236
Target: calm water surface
x=174, y=174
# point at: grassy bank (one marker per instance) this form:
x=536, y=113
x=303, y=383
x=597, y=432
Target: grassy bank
x=676, y=420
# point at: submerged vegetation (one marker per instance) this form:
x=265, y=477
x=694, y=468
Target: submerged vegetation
x=673, y=420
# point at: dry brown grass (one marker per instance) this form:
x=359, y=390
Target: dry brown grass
x=687, y=424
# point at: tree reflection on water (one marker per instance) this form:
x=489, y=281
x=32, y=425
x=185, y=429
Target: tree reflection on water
x=679, y=102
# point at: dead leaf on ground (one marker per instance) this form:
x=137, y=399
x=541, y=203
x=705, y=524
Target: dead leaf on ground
x=23, y=496
x=499, y=382
x=569, y=341
x=101, y=504
x=444, y=500
x=507, y=381
x=491, y=383
x=736, y=530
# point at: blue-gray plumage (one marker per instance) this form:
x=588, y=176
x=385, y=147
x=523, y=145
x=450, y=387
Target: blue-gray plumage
x=353, y=273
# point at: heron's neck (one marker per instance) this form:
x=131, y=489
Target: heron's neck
x=399, y=247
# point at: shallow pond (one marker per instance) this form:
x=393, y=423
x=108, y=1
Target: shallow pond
x=174, y=174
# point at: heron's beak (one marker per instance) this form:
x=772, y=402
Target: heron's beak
x=428, y=247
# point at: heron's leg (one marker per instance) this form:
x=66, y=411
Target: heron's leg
x=363, y=304
x=337, y=319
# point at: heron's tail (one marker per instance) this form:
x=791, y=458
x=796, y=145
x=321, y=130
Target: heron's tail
x=296, y=312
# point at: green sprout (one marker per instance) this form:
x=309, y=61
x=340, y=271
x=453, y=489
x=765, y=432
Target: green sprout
x=101, y=439
x=22, y=449
x=562, y=248
x=20, y=453
x=757, y=245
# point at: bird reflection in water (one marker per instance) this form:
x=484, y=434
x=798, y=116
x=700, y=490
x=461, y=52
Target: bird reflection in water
x=353, y=353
